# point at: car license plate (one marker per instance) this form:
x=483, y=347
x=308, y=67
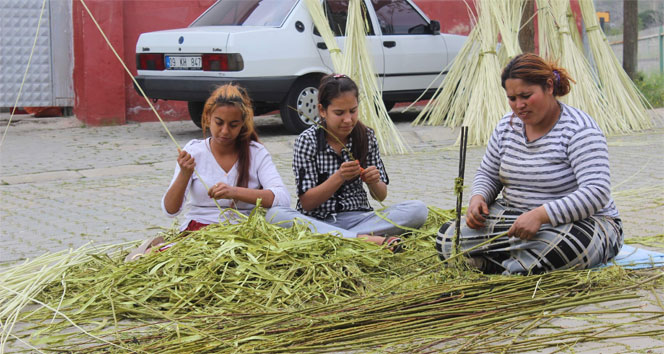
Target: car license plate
x=178, y=62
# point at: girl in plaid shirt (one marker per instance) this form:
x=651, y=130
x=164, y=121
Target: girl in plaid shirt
x=331, y=166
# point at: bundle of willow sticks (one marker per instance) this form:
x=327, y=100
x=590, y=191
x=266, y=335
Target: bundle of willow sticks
x=470, y=96
x=621, y=92
x=586, y=94
x=255, y=287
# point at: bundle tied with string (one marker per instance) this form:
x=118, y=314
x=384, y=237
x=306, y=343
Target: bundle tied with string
x=586, y=94
x=574, y=29
x=487, y=100
x=471, y=93
x=627, y=103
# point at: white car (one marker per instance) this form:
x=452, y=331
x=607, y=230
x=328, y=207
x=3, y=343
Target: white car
x=272, y=48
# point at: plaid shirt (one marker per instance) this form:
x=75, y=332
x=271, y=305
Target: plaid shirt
x=314, y=161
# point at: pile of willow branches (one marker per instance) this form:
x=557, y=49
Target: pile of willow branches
x=254, y=287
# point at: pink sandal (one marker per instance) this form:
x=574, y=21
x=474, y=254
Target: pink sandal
x=146, y=247
x=393, y=243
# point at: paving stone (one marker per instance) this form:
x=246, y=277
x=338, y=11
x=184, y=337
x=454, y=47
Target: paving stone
x=40, y=177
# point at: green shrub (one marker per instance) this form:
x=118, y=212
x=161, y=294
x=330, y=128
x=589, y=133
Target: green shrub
x=652, y=87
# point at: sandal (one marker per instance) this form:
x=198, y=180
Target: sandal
x=145, y=248
x=393, y=243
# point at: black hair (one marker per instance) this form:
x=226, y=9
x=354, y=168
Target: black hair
x=333, y=86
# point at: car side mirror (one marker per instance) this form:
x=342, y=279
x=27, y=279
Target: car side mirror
x=434, y=27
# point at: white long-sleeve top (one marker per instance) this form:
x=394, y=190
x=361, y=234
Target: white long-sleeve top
x=262, y=175
x=566, y=170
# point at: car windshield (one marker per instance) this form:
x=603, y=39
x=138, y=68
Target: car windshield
x=245, y=13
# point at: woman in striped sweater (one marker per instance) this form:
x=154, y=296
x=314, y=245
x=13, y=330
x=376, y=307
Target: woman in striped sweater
x=551, y=163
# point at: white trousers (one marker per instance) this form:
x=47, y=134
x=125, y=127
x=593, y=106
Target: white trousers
x=411, y=214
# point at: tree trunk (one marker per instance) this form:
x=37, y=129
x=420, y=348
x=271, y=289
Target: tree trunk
x=630, y=36
x=527, y=33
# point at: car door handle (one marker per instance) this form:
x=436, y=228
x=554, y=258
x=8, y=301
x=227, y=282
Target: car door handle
x=321, y=45
x=389, y=44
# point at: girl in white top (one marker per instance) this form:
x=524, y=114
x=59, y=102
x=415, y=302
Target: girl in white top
x=237, y=169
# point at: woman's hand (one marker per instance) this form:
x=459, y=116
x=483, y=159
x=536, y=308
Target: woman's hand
x=370, y=175
x=222, y=191
x=477, y=208
x=349, y=170
x=187, y=163
x=529, y=223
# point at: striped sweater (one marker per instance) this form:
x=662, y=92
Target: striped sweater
x=566, y=170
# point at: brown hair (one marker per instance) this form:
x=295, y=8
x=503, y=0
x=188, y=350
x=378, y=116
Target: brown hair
x=232, y=95
x=333, y=86
x=534, y=70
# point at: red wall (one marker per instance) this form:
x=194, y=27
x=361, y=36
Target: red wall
x=453, y=15
x=99, y=88
x=155, y=15
x=104, y=92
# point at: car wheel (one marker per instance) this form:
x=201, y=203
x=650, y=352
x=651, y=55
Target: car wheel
x=300, y=107
x=195, y=112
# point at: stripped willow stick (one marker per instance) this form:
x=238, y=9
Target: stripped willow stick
x=131, y=76
x=627, y=102
x=20, y=283
x=547, y=35
x=359, y=64
x=574, y=29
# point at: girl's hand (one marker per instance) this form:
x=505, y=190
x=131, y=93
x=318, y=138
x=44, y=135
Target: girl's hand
x=477, y=209
x=370, y=175
x=186, y=162
x=222, y=191
x=349, y=170
x=528, y=224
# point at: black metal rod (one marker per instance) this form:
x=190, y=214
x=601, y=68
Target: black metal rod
x=458, y=186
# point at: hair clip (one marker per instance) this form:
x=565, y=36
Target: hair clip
x=339, y=76
x=557, y=75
